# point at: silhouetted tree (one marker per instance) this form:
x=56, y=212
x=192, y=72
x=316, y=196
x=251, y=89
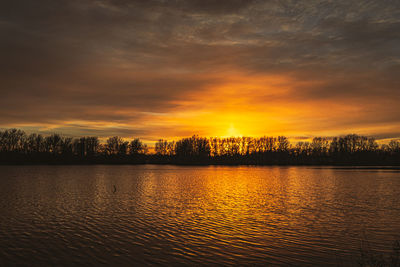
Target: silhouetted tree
x=194, y=146
x=171, y=148
x=161, y=147
x=17, y=146
x=137, y=147
x=35, y=143
x=53, y=144
x=116, y=146
x=319, y=146
x=283, y=144
x=394, y=146
x=12, y=140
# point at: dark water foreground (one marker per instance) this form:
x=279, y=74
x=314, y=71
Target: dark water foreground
x=147, y=214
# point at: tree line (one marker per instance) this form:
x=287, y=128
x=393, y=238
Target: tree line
x=18, y=147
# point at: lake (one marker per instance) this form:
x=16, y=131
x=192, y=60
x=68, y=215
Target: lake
x=214, y=215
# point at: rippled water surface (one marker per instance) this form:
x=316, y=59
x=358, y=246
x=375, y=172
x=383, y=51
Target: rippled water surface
x=131, y=215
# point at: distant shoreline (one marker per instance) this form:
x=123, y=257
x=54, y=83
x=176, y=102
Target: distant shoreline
x=19, y=148
x=316, y=166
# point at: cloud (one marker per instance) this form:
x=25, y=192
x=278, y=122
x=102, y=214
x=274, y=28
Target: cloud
x=116, y=62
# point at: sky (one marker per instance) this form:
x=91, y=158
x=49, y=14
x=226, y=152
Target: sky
x=171, y=69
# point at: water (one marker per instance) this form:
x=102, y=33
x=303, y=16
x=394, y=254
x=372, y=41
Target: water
x=133, y=215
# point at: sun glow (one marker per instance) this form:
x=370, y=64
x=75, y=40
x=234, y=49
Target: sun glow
x=232, y=131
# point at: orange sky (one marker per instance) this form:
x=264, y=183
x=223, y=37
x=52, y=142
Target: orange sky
x=154, y=69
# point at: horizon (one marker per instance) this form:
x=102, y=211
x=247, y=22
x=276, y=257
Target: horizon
x=293, y=140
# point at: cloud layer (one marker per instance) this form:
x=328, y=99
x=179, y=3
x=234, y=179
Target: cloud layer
x=175, y=68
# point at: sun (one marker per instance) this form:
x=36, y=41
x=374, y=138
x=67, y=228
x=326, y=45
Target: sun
x=232, y=131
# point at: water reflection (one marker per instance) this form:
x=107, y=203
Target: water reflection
x=221, y=215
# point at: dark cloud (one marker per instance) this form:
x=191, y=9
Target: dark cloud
x=117, y=60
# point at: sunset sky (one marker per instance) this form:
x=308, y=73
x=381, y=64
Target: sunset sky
x=171, y=69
